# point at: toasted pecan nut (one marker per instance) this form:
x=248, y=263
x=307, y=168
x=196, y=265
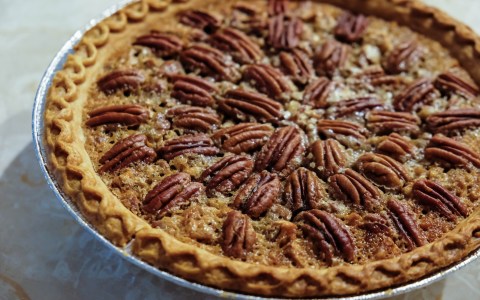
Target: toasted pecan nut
x=383, y=170
x=355, y=188
x=396, y=146
x=283, y=153
x=237, y=44
x=355, y=105
x=375, y=75
x=227, y=174
x=188, y=144
x=328, y=233
x=450, y=121
x=450, y=83
x=243, y=137
x=277, y=7
x=284, y=32
x=248, y=18
x=303, y=191
x=375, y=223
x=192, y=90
x=250, y=106
x=450, y=152
x=350, y=28
x=317, y=92
x=208, y=61
x=328, y=157
x=267, y=80
x=384, y=122
x=194, y=118
x=406, y=224
x=400, y=59
x=430, y=193
x=342, y=131
x=238, y=235
x=200, y=19
x=121, y=80
x=258, y=194
x=419, y=92
x=164, y=44
x=125, y=152
x=330, y=57
x=129, y=115
x=297, y=65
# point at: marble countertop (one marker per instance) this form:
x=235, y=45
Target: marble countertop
x=44, y=253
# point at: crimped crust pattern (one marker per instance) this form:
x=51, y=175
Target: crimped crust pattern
x=73, y=168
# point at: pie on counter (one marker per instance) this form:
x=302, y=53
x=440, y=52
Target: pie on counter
x=276, y=148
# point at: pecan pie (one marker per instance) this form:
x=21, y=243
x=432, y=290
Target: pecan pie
x=291, y=149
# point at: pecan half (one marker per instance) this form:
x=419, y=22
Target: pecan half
x=450, y=152
x=284, y=32
x=248, y=18
x=353, y=187
x=200, y=19
x=430, y=193
x=125, y=152
x=258, y=194
x=450, y=83
x=317, y=92
x=383, y=170
x=121, y=80
x=237, y=44
x=350, y=28
x=375, y=76
x=227, y=174
x=341, y=130
x=356, y=105
x=296, y=64
x=282, y=153
x=406, y=224
x=130, y=115
x=452, y=120
x=173, y=191
x=330, y=57
x=384, y=122
x=419, y=92
x=250, y=106
x=267, y=80
x=277, y=7
x=328, y=233
x=396, y=146
x=194, y=118
x=238, y=235
x=164, y=44
x=192, y=90
x=328, y=157
x=188, y=144
x=303, y=191
x=375, y=223
x=243, y=137
x=208, y=61
x=401, y=57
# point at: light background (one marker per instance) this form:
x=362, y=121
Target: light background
x=42, y=248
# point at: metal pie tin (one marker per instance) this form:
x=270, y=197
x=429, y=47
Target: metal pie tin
x=38, y=141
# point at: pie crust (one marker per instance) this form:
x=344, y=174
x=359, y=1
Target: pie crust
x=72, y=167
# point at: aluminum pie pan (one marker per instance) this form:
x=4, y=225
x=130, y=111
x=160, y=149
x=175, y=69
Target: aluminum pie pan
x=125, y=252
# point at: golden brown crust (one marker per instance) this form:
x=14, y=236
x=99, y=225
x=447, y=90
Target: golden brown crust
x=74, y=170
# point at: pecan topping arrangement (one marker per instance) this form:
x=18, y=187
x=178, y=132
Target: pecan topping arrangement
x=192, y=90
x=243, y=137
x=450, y=83
x=238, y=44
x=227, y=174
x=331, y=56
x=328, y=157
x=350, y=28
x=164, y=44
x=450, y=152
x=396, y=146
x=267, y=80
x=316, y=93
x=450, y=121
x=401, y=57
x=303, y=191
x=258, y=194
x=187, y=144
x=173, y=191
x=200, y=19
x=337, y=129
x=356, y=105
x=282, y=153
x=406, y=224
x=417, y=93
x=193, y=118
x=297, y=65
x=238, y=235
x=353, y=187
x=383, y=170
x=250, y=106
x=329, y=234
x=129, y=114
x=430, y=193
x=121, y=80
x=125, y=152
x=284, y=32
x=384, y=122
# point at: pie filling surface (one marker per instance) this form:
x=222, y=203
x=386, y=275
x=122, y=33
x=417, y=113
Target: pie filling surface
x=287, y=134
